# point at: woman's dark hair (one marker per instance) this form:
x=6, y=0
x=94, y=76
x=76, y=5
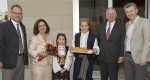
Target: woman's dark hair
x=35, y=29
x=61, y=34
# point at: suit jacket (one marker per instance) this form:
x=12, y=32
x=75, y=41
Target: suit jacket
x=36, y=45
x=9, y=45
x=140, y=41
x=113, y=48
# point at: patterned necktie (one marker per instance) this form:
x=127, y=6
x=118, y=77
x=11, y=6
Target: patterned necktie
x=108, y=31
x=20, y=40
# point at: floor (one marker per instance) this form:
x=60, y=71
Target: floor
x=96, y=74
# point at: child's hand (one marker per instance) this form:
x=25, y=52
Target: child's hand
x=70, y=47
x=94, y=50
x=63, y=70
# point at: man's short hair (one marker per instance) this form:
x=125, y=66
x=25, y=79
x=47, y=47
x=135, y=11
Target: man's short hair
x=129, y=5
x=16, y=5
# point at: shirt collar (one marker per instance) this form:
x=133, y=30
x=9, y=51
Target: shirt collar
x=112, y=22
x=85, y=34
x=134, y=20
x=14, y=22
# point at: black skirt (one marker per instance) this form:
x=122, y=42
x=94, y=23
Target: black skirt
x=59, y=76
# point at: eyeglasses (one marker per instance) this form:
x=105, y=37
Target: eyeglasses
x=16, y=13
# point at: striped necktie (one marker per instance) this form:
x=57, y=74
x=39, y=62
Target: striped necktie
x=20, y=40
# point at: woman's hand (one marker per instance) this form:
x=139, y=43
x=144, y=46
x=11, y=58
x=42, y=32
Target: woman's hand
x=42, y=54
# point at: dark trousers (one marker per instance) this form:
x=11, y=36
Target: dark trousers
x=109, y=70
x=77, y=66
x=133, y=71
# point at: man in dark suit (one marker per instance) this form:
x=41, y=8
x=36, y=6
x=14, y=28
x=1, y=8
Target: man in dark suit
x=111, y=36
x=13, y=46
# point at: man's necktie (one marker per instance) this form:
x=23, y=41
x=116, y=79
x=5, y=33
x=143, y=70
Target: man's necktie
x=20, y=40
x=108, y=31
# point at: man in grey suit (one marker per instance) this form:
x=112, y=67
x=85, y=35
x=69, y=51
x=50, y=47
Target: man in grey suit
x=137, y=44
x=13, y=46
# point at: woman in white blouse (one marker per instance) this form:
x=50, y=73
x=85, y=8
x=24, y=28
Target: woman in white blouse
x=40, y=69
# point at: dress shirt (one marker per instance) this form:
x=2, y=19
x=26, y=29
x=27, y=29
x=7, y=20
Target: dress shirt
x=111, y=25
x=129, y=34
x=15, y=25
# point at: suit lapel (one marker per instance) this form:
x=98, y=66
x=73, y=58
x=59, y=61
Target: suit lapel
x=113, y=31
x=104, y=29
x=136, y=25
x=12, y=27
x=41, y=40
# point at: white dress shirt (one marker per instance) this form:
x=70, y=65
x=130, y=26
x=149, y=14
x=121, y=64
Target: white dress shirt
x=21, y=32
x=111, y=25
x=129, y=34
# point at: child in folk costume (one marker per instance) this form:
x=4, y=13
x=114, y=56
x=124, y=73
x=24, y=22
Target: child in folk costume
x=61, y=62
x=83, y=65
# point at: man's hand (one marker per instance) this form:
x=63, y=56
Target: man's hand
x=142, y=62
x=94, y=50
x=120, y=60
x=1, y=65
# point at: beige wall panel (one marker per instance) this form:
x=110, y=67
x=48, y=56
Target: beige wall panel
x=41, y=0
x=28, y=22
x=66, y=0
x=53, y=21
x=52, y=1
x=67, y=22
x=34, y=9
x=20, y=0
x=60, y=9
x=29, y=35
x=68, y=33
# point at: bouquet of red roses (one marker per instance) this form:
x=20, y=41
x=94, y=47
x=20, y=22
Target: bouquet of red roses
x=50, y=50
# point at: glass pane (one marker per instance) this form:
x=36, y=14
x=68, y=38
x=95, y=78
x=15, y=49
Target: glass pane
x=95, y=11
